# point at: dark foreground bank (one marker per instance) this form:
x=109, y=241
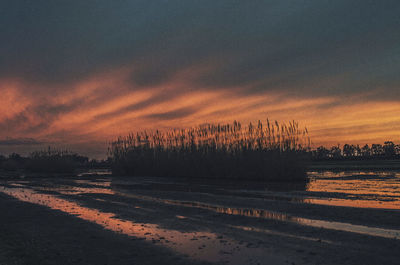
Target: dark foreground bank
x=32, y=234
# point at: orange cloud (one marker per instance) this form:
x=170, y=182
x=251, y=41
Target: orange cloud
x=12, y=101
x=98, y=109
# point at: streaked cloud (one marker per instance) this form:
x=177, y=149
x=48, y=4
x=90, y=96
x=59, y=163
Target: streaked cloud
x=77, y=74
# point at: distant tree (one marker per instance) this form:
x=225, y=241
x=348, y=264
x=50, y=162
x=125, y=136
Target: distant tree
x=322, y=152
x=336, y=152
x=15, y=156
x=397, y=149
x=79, y=159
x=357, y=150
x=366, y=151
x=13, y=162
x=2, y=160
x=377, y=150
x=348, y=150
x=389, y=149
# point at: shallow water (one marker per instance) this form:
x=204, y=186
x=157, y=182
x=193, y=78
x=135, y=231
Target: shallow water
x=328, y=182
x=350, y=189
x=355, y=189
x=201, y=245
x=264, y=214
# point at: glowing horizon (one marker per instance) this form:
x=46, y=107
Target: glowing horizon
x=101, y=117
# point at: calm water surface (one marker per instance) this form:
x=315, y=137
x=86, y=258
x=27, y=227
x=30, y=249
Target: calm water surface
x=349, y=189
x=355, y=189
x=203, y=245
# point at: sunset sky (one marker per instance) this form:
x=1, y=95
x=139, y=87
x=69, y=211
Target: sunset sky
x=76, y=74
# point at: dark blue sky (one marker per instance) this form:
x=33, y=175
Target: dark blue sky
x=288, y=43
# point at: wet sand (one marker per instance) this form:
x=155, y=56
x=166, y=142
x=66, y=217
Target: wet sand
x=199, y=222
x=33, y=234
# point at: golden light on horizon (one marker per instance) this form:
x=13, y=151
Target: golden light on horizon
x=100, y=108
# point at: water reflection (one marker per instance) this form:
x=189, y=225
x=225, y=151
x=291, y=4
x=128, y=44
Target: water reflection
x=350, y=189
x=201, y=245
x=265, y=214
x=359, y=189
x=74, y=190
x=343, y=189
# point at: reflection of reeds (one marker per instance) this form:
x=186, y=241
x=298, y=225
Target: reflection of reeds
x=261, y=151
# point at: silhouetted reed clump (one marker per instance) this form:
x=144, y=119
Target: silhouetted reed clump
x=54, y=161
x=269, y=151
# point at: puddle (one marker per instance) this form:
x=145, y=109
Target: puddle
x=200, y=245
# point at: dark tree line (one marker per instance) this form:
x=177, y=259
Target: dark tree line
x=349, y=151
x=49, y=161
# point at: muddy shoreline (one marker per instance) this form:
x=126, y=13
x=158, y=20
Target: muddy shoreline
x=33, y=234
x=192, y=224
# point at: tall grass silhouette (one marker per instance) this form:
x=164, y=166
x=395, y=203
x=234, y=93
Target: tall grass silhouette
x=261, y=151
